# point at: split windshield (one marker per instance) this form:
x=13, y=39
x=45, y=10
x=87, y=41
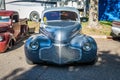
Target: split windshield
x=4, y=18
x=60, y=15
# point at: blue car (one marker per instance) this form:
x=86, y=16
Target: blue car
x=60, y=40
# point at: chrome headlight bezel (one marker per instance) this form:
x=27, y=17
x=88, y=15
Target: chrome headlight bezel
x=34, y=45
x=87, y=46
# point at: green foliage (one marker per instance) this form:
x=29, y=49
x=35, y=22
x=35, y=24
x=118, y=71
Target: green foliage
x=109, y=23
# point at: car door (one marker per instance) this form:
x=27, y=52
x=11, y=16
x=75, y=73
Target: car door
x=16, y=25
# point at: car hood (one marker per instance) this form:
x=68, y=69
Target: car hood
x=61, y=31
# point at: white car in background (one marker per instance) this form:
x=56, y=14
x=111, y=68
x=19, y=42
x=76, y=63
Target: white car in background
x=30, y=9
x=116, y=29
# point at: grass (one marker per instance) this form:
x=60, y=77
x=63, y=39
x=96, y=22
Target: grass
x=108, y=23
x=104, y=29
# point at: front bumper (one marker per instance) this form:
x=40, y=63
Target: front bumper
x=116, y=31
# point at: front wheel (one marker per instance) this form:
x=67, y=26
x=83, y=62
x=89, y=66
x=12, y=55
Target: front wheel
x=93, y=61
x=34, y=16
x=11, y=43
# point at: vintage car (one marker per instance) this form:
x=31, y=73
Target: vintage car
x=60, y=41
x=11, y=29
x=116, y=29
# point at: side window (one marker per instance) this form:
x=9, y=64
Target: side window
x=15, y=18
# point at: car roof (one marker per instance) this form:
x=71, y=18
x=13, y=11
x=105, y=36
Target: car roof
x=7, y=12
x=61, y=9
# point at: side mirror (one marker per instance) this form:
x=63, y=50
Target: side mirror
x=84, y=19
x=13, y=21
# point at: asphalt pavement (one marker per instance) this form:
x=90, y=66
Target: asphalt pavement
x=14, y=67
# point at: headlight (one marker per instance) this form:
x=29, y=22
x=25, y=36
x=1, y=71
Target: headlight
x=34, y=45
x=1, y=38
x=87, y=46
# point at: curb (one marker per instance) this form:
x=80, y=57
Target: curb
x=101, y=36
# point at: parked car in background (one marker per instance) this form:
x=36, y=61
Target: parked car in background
x=30, y=9
x=60, y=40
x=116, y=29
x=11, y=29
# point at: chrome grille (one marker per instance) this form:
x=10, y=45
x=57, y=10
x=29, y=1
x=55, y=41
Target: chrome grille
x=60, y=54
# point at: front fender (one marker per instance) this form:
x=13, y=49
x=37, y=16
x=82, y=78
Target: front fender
x=5, y=43
x=78, y=42
x=34, y=54
x=43, y=41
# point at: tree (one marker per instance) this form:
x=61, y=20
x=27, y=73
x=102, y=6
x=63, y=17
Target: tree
x=93, y=14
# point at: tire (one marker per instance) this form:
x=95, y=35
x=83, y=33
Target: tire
x=93, y=61
x=11, y=43
x=29, y=61
x=27, y=32
x=114, y=36
x=34, y=16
